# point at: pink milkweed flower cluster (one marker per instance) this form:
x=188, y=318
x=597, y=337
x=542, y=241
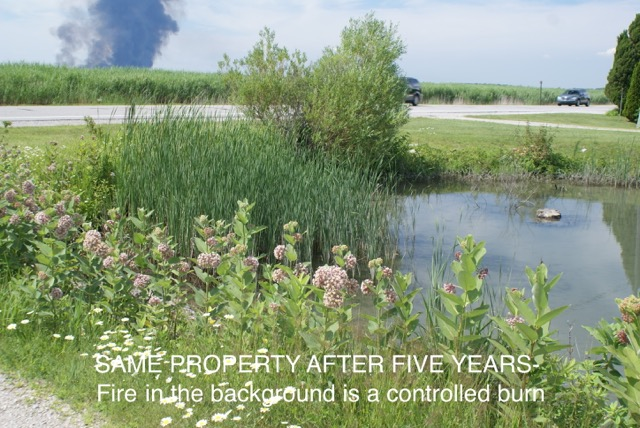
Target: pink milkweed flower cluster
x=64, y=224
x=629, y=308
x=390, y=295
x=622, y=338
x=330, y=277
x=108, y=262
x=367, y=287
x=165, y=251
x=141, y=280
x=154, y=300
x=252, y=263
x=208, y=260
x=10, y=196
x=93, y=244
x=56, y=293
x=279, y=252
x=41, y=218
x=28, y=187
x=387, y=272
x=300, y=269
x=278, y=275
x=449, y=288
x=514, y=319
x=333, y=279
x=350, y=261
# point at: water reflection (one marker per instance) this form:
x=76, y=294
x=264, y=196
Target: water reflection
x=596, y=244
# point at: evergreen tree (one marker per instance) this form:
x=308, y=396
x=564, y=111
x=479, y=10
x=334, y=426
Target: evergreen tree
x=632, y=103
x=626, y=57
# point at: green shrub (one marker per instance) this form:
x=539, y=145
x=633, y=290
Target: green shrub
x=349, y=104
x=356, y=104
x=536, y=155
x=270, y=84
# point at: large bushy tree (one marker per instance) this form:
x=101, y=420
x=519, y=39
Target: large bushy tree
x=356, y=105
x=350, y=103
x=625, y=59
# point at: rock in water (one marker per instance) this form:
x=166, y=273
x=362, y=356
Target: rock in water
x=548, y=214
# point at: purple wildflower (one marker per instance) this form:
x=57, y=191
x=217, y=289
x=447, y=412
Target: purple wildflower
x=208, y=260
x=279, y=251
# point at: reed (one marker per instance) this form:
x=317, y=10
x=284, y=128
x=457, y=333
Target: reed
x=474, y=93
x=39, y=84
x=27, y=83
x=183, y=165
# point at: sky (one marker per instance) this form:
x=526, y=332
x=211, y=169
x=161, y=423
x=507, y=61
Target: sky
x=563, y=43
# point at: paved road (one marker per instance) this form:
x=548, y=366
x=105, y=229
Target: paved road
x=74, y=115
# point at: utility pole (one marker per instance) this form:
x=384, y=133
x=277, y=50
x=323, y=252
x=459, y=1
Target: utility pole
x=541, y=92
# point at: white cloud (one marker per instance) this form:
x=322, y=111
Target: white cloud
x=608, y=52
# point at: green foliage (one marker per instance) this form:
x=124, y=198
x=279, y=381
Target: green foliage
x=476, y=93
x=462, y=319
x=632, y=103
x=626, y=57
x=527, y=331
x=356, y=105
x=39, y=84
x=395, y=323
x=349, y=104
x=577, y=397
x=270, y=84
x=619, y=351
x=119, y=284
x=536, y=155
x=204, y=166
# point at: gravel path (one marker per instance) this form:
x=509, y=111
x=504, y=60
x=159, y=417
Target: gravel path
x=23, y=407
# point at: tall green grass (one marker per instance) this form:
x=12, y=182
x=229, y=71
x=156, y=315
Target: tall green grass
x=39, y=84
x=468, y=93
x=182, y=165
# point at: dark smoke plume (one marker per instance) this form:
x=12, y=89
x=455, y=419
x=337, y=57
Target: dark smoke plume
x=118, y=33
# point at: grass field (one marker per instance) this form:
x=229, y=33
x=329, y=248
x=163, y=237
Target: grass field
x=460, y=146
x=461, y=134
x=39, y=84
x=465, y=93
x=591, y=120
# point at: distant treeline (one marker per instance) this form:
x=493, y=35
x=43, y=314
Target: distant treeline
x=38, y=84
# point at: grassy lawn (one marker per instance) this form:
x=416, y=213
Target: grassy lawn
x=40, y=136
x=443, y=134
x=593, y=120
x=447, y=134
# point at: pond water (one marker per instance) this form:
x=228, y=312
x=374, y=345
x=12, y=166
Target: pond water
x=595, y=245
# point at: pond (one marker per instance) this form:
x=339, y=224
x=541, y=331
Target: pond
x=595, y=245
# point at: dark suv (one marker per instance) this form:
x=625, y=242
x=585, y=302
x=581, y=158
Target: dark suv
x=414, y=91
x=574, y=97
